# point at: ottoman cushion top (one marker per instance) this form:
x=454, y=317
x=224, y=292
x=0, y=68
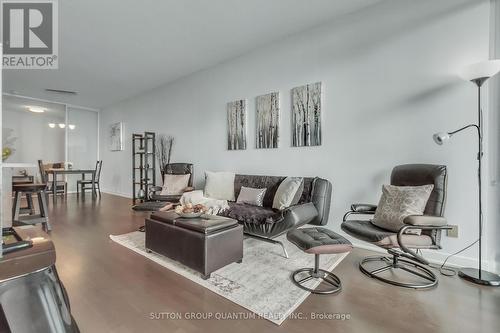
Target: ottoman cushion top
x=319, y=241
x=166, y=217
x=149, y=206
x=206, y=224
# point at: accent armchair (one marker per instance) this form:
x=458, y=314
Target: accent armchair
x=173, y=169
x=404, y=266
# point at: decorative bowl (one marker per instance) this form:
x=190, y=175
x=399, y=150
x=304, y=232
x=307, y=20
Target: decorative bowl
x=190, y=215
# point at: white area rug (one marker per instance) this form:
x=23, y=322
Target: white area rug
x=260, y=284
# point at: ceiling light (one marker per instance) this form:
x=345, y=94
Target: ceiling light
x=52, y=125
x=36, y=109
x=71, y=127
x=62, y=125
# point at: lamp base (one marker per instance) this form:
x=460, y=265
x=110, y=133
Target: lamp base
x=487, y=278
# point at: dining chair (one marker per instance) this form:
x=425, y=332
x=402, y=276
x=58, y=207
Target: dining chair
x=86, y=184
x=61, y=185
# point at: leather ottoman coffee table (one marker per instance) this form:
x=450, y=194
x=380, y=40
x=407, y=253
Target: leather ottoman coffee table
x=204, y=244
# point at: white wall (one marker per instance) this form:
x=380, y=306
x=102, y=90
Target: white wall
x=82, y=142
x=34, y=138
x=389, y=81
x=493, y=233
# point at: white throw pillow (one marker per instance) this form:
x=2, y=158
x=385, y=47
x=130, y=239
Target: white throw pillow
x=219, y=185
x=174, y=184
x=288, y=192
x=399, y=202
x=252, y=196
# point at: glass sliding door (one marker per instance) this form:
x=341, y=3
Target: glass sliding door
x=82, y=141
x=33, y=130
x=52, y=132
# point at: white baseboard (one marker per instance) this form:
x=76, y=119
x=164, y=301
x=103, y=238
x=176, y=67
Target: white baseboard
x=120, y=194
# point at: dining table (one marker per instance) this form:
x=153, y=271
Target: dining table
x=64, y=171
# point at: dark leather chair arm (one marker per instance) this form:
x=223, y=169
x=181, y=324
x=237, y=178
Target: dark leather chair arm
x=154, y=189
x=410, y=253
x=425, y=220
x=174, y=198
x=361, y=207
x=288, y=219
x=299, y=214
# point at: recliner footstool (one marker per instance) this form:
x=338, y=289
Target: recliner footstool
x=318, y=241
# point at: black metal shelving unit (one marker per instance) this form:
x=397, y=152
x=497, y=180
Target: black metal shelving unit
x=143, y=165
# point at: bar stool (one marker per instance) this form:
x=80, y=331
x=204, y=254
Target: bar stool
x=18, y=180
x=32, y=218
x=318, y=241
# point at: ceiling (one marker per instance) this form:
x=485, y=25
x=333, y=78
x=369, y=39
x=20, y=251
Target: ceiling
x=114, y=49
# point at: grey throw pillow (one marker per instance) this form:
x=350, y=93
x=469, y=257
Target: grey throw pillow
x=251, y=196
x=398, y=202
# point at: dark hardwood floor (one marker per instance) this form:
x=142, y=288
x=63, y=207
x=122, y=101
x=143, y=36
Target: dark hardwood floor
x=113, y=289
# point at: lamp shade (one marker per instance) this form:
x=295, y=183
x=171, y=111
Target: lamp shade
x=484, y=69
x=441, y=137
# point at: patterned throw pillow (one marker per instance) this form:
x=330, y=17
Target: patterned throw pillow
x=251, y=196
x=398, y=202
x=288, y=192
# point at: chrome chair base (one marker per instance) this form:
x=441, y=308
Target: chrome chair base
x=301, y=276
x=332, y=280
x=395, y=264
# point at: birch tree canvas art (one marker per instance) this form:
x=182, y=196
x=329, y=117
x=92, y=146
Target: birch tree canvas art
x=267, y=134
x=306, y=115
x=236, y=125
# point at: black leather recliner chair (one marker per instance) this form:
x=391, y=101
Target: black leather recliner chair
x=407, y=267
x=172, y=169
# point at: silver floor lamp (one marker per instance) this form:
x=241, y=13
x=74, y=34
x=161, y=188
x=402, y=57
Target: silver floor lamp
x=478, y=74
